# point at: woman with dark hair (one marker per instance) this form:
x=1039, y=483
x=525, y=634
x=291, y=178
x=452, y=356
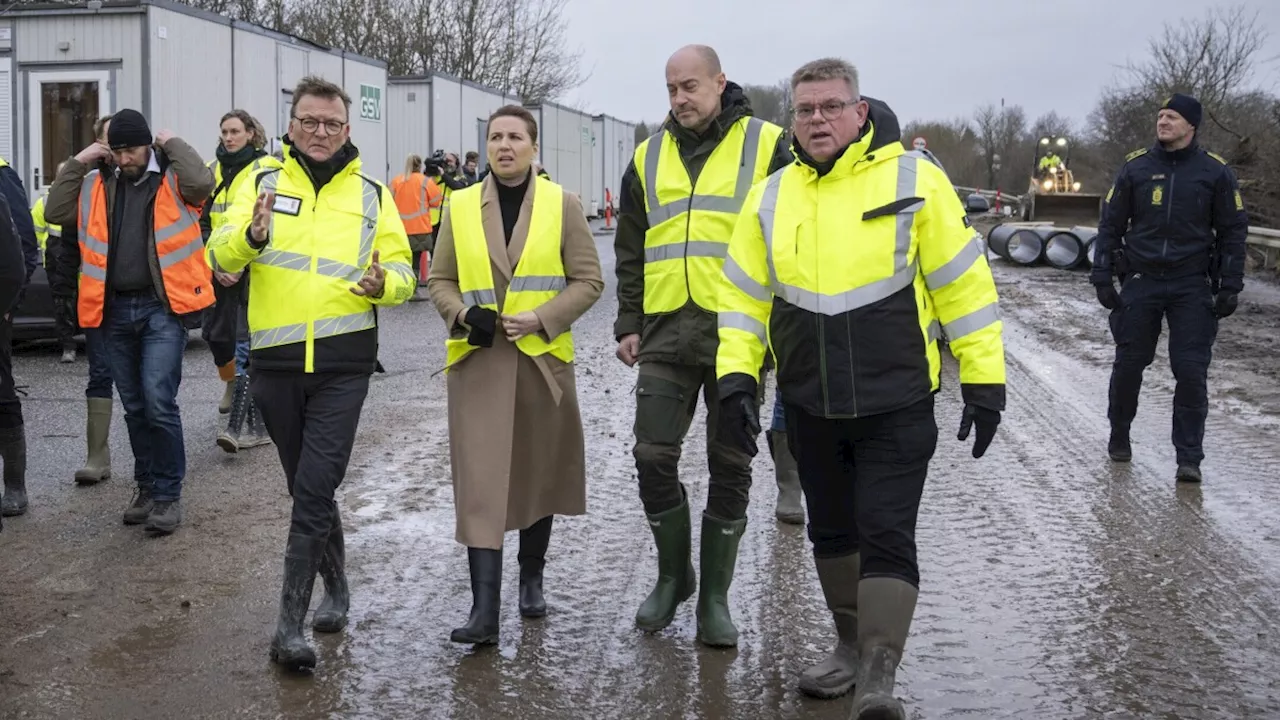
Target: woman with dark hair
x=515, y=265
x=226, y=326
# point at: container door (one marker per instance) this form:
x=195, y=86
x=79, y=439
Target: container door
x=482, y=146
x=62, y=107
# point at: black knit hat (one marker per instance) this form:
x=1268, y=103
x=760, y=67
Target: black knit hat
x=1185, y=105
x=128, y=129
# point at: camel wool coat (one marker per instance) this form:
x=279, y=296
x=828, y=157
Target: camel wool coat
x=515, y=431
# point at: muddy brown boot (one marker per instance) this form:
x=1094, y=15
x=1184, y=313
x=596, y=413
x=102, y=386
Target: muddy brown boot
x=97, y=433
x=719, y=555
x=835, y=675
x=789, y=509
x=301, y=561
x=13, y=448
x=533, y=558
x=677, y=580
x=486, y=596
x=229, y=437
x=885, y=608
x=331, y=616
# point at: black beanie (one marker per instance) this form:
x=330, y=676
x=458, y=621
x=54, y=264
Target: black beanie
x=128, y=129
x=1185, y=105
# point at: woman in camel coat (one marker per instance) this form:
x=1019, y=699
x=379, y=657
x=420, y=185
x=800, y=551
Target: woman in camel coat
x=515, y=432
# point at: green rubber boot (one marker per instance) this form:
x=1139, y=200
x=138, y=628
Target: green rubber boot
x=886, y=606
x=676, y=578
x=719, y=555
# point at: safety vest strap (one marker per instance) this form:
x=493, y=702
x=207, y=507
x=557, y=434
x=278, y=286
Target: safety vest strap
x=659, y=213
x=322, y=328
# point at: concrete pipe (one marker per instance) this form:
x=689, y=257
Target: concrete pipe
x=1064, y=250
x=1087, y=235
x=1018, y=245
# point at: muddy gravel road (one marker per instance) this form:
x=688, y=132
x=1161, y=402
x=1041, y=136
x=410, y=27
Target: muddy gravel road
x=1055, y=585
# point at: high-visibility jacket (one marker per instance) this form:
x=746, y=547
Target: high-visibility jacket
x=849, y=277
x=185, y=279
x=44, y=230
x=538, y=276
x=689, y=228
x=303, y=316
x=223, y=195
x=437, y=211
x=417, y=198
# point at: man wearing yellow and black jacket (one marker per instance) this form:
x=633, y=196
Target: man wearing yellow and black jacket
x=324, y=246
x=680, y=198
x=849, y=264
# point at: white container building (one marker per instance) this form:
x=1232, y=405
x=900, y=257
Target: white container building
x=439, y=112
x=613, y=144
x=63, y=66
x=564, y=144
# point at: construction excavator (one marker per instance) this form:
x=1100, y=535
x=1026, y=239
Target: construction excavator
x=1054, y=196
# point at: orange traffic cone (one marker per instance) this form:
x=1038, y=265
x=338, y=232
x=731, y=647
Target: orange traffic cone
x=424, y=267
x=608, y=208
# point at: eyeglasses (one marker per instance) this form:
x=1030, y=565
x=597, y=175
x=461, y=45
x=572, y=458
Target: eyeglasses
x=831, y=110
x=333, y=127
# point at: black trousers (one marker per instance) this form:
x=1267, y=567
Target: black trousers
x=312, y=419
x=225, y=322
x=10, y=405
x=1188, y=304
x=862, y=481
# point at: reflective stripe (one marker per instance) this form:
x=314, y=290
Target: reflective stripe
x=536, y=283
x=186, y=220
x=173, y=257
x=934, y=331
x=284, y=259
x=691, y=248
x=480, y=297
x=55, y=231
x=952, y=269
x=973, y=322
x=745, y=282
x=658, y=213
x=370, y=230
x=97, y=245
x=93, y=271
x=742, y=321
x=817, y=302
x=42, y=228
x=344, y=324
x=338, y=269
x=906, y=217
x=219, y=207
x=327, y=327
x=403, y=270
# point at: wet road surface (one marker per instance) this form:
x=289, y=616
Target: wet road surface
x=1055, y=585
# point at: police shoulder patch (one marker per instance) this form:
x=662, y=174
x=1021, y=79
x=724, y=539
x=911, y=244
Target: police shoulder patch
x=1136, y=154
x=1215, y=156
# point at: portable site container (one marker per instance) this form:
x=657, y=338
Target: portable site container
x=440, y=112
x=613, y=144
x=564, y=144
x=63, y=66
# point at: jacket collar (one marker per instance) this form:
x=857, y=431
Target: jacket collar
x=1176, y=156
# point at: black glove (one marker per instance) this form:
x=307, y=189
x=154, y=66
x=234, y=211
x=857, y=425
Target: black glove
x=1225, y=304
x=483, y=322
x=739, y=423
x=987, y=421
x=1107, y=296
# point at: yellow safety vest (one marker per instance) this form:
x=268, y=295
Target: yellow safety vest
x=689, y=228
x=222, y=201
x=538, y=277
x=318, y=248
x=44, y=230
x=438, y=211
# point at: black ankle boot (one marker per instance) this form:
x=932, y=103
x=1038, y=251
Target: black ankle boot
x=301, y=560
x=533, y=558
x=486, y=594
x=13, y=450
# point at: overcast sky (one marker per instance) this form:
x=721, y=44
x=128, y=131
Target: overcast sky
x=927, y=59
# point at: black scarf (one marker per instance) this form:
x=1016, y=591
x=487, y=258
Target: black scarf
x=322, y=172
x=233, y=162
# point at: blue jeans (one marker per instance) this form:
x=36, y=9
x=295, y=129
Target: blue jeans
x=242, y=357
x=146, y=344
x=95, y=348
x=779, y=414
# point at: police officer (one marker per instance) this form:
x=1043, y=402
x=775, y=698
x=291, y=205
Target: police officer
x=325, y=246
x=856, y=348
x=680, y=198
x=1173, y=231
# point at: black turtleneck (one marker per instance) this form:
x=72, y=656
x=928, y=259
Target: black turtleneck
x=1177, y=156
x=322, y=172
x=510, y=198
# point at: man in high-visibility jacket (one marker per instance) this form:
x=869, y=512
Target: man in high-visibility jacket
x=144, y=279
x=848, y=265
x=62, y=288
x=324, y=246
x=680, y=197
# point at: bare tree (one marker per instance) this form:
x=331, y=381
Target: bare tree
x=642, y=132
x=1001, y=132
x=771, y=102
x=955, y=145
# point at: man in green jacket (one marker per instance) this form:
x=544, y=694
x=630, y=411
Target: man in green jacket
x=679, y=202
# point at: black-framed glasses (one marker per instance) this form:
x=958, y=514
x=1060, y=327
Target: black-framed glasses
x=333, y=127
x=831, y=109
